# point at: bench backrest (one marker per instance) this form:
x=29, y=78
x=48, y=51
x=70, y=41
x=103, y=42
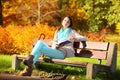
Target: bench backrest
x=93, y=50
x=99, y=50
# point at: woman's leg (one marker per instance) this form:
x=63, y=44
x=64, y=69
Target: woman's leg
x=40, y=48
x=43, y=48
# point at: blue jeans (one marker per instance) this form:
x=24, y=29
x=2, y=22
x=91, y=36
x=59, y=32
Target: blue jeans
x=42, y=48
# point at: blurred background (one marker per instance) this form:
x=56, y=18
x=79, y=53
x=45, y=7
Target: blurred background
x=22, y=21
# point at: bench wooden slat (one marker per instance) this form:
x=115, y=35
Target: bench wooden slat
x=58, y=61
x=96, y=45
x=91, y=54
x=90, y=45
x=16, y=77
x=65, y=62
x=21, y=57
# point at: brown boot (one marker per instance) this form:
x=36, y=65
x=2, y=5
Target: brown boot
x=27, y=71
x=29, y=61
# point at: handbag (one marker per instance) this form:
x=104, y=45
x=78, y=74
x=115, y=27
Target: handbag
x=41, y=37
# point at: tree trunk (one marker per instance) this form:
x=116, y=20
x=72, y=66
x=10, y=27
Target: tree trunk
x=1, y=22
x=60, y=4
x=60, y=8
x=38, y=20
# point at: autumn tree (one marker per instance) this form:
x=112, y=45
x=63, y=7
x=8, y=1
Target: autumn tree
x=48, y=10
x=74, y=9
x=29, y=11
x=97, y=13
x=1, y=23
x=90, y=15
x=101, y=13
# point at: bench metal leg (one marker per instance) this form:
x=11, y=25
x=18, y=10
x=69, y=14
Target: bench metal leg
x=112, y=57
x=91, y=71
x=15, y=62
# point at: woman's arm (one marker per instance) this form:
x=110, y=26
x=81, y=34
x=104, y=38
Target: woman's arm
x=77, y=37
x=54, y=40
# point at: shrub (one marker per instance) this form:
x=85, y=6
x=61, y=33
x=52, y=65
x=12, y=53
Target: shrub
x=24, y=36
x=6, y=42
x=96, y=36
x=19, y=39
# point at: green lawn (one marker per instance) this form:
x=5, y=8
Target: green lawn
x=72, y=72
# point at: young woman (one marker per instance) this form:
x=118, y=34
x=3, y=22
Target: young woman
x=63, y=34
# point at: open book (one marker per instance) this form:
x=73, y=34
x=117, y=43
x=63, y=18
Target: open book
x=63, y=42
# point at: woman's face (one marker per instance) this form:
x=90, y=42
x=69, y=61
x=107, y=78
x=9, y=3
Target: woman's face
x=66, y=22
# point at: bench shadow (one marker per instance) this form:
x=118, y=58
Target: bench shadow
x=84, y=53
x=68, y=70
x=61, y=69
x=109, y=76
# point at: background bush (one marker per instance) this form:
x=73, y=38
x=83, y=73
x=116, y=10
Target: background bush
x=6, y=42
x=19, y=39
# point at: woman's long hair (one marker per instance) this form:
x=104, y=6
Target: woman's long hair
x=71, y=23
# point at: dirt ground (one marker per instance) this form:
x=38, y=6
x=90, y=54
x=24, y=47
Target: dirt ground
x=4, y=76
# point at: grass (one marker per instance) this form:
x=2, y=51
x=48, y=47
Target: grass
x=5, y=64
x=71, y=72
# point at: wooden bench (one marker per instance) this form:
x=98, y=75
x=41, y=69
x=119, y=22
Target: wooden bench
x=106, y=51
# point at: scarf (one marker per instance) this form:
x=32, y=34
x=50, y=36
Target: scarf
x=63, y=33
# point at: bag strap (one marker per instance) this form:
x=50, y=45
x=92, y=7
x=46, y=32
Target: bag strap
x=42, y=36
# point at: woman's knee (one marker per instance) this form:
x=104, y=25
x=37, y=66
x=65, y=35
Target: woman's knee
x=39, y=42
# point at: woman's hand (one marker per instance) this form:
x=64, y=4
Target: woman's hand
x=83, y=44
x=71, y=38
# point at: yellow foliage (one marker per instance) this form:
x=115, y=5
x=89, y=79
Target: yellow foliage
x=118, y=26
x=24, y=36
x=73, y=5
x=19, y=1
x=6, y=42
x=81, y=14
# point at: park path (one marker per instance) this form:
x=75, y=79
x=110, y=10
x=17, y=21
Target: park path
x=14, y=77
